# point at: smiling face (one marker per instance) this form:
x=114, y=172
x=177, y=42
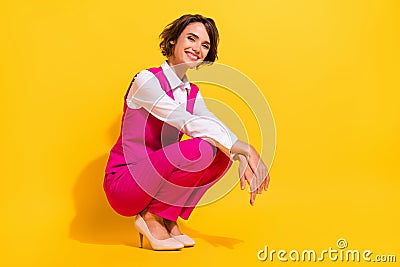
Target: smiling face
x=192, y=46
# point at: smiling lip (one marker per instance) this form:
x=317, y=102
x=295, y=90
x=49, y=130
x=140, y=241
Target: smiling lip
x=192, y=56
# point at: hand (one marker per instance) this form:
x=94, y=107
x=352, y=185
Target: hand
x=253, y=170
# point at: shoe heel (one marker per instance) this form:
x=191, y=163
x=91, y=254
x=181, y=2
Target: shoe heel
x=156, y=244
x=140, y=240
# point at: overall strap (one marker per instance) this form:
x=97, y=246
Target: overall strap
x=158, y=72
x=161, y=78
x=192, y=97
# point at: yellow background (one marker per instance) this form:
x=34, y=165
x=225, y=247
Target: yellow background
x=329, y=70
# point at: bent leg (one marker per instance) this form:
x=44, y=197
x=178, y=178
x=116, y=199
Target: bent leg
x=169, y=181
x=189, y=181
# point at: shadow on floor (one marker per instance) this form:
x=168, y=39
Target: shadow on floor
x=95, y=222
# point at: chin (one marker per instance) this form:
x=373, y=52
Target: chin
x=192, y=64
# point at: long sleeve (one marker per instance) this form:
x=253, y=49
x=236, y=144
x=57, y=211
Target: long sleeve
x=200, y=109
x=146, y=92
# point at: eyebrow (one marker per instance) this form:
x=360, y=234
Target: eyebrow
x=190, y=33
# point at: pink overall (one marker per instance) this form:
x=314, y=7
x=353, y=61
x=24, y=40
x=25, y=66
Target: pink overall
x=150, y=167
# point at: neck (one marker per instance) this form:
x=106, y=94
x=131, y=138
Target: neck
x=179, y=69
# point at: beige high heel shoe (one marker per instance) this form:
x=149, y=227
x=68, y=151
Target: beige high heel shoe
x=184, y=239
x=156, y=244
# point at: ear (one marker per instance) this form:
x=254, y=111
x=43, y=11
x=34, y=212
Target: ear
x=172, y=42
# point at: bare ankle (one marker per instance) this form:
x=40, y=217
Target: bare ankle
x=146, y=215
x=172, y=227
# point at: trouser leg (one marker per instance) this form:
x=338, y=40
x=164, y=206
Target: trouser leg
x=189, y=168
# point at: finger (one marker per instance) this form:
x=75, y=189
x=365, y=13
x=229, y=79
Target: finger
x=255, y=162
x=260, y=188
x=249, y=175
x=262, y=176
x=257, y=190
x=266, y=182
x=253, y=184
x=241, y=175
x=242, y=168
x=242, y=183
x=252, y=198
x=256, y=166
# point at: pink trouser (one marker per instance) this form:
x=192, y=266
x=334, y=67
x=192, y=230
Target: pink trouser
x=169, y=182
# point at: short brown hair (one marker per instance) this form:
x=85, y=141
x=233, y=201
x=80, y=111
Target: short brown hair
x=173, y=30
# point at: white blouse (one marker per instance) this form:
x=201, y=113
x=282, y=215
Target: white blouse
x=146, y=92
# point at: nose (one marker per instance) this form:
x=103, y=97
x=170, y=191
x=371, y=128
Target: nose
x=196, y=48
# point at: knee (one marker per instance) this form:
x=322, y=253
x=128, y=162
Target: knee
x=196, y=154
x=193, y=155
x=200, y=148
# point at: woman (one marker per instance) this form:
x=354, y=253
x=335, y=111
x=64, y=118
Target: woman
x=151, y=172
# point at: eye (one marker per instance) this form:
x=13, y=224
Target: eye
x=206, y=46
x=191, y=38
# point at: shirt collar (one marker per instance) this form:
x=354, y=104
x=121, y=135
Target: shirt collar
x=173, y=79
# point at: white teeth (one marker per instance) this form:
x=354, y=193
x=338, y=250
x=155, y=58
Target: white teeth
x=191, y=56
